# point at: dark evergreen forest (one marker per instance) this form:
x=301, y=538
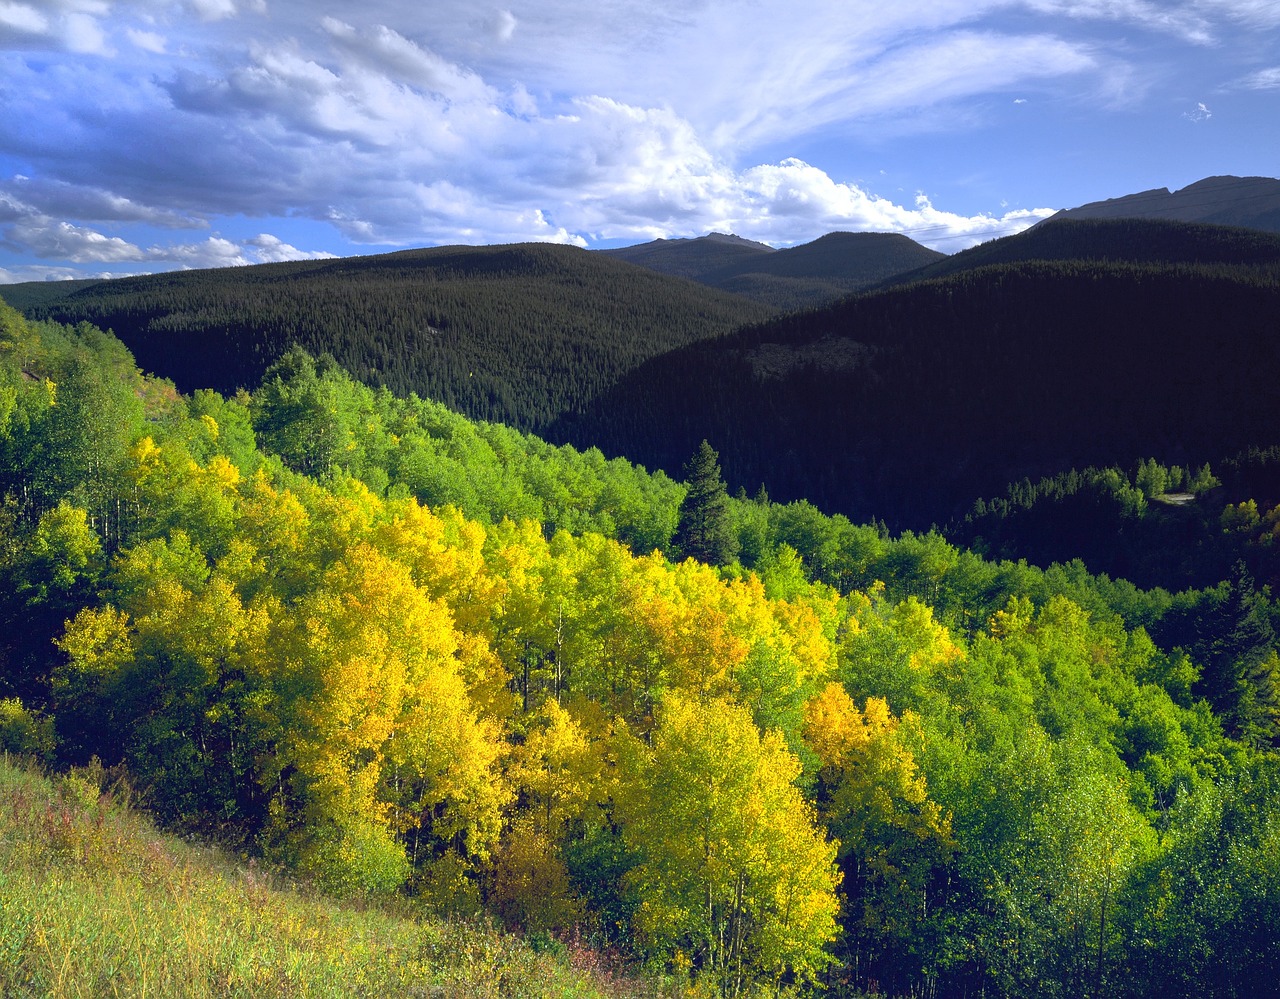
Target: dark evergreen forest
x=519, y=333
x=909, y=403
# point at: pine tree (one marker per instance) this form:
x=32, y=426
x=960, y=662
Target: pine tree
x=704, y=530
x=1239, y=675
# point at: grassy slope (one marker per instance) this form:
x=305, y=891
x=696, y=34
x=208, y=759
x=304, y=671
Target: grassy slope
x=93, y=901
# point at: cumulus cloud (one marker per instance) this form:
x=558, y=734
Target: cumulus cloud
x=54, y=239
x=43, y=272
x=212, y=252
x=502, y=25
x=59, y=198
x=30, y=231
x=60, y=25
x=269, y=249
x=22, y=19
x=1198, y=113
x=793, y=201
x=385, y=52
x=213, y=10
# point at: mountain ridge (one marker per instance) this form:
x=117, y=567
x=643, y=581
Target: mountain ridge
x=804, y=276
x=1252, y=202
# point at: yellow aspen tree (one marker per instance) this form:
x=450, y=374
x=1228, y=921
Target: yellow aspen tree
x=874, y=798
x=559, y=771
x=736, y=874
x=384, y=738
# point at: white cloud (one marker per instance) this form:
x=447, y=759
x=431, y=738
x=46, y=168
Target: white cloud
x=56, y=198
x=1255, y=13
x=1199, y=113
x=84, y=35
x=148, y=41
x=47, y=272
x=1263, y=79
x=388, y=54
x=213, y=10
x=22, y=18
x=59, y=25
x=1183, y=19
x=56, y=240
x=502, y=25
x=404, y=123
x=793, y=202
x=40, y=235
x=272, y=250
x=212, y=252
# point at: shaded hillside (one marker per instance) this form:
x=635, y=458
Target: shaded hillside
x=514, y=333
x=1241, y=201
x=909, y=403
x=1152, y=525
x=812, y=274
x=1151, y=241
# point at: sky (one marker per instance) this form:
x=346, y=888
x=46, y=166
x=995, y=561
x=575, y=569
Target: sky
x=139, y=136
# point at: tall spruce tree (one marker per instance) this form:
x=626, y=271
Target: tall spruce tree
x=1240, y=665
x=704, y=531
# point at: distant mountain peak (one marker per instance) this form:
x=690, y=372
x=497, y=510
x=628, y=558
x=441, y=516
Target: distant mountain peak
x=1252, y=202
x=728, y=237
x=802, y=276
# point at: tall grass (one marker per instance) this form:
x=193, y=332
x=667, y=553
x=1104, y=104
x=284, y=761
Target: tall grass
x=95, y=902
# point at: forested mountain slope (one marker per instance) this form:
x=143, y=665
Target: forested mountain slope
x=909, y=403
x=744, y=778
x=1147, y=241
x=804, y=276
x=519, y=333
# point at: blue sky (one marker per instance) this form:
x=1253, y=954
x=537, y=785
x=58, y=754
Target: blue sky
x=148, y=135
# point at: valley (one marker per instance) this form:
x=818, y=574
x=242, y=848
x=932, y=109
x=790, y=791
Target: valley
x=699, y=619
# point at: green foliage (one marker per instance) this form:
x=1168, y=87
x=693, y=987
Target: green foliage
x=734, y=879
x=25, y=732
x=848, y=759
x=1202, y=912
x=1157, y=526
x=320, y=421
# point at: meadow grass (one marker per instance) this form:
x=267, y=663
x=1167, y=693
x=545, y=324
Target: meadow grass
x=95, y=902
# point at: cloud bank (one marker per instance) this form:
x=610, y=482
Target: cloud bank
x=559, y=120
